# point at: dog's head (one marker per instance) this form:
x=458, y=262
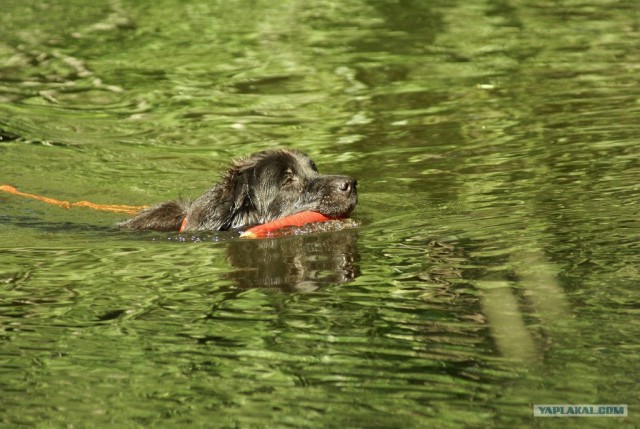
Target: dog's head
x=269, y=185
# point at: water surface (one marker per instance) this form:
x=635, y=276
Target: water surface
x=495, y=267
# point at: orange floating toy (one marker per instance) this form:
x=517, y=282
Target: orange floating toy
x=298, y=219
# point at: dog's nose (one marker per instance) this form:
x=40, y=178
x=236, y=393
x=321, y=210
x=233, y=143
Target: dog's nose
x=347, y=184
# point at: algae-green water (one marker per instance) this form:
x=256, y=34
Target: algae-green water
x=496, y=265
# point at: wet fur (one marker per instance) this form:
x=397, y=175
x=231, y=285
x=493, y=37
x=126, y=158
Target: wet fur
x=263, y=187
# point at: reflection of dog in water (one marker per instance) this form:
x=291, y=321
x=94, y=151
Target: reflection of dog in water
x=299, y=263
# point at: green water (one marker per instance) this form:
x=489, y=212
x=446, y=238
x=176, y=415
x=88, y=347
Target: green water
x=496, y=265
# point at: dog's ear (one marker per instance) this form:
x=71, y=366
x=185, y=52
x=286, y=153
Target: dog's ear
x=238, y=190
x=228, y=204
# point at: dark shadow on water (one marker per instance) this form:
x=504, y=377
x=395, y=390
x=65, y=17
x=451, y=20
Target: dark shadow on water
x=300, y=263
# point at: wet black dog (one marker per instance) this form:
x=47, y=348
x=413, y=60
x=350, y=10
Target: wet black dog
x=261, y=188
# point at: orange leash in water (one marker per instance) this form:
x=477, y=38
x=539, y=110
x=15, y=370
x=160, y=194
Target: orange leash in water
x=66, y=204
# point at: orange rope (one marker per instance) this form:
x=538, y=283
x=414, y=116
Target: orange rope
x=66, y=204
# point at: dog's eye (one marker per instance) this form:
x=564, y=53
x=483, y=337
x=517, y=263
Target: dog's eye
x=313, y=166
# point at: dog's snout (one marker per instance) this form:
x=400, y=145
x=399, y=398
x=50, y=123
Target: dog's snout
x=347, y=184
